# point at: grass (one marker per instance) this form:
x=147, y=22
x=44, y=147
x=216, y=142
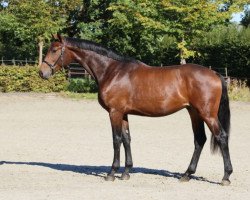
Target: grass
x=79, y=96
x=238, y=91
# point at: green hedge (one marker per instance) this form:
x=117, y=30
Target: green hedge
x=26, y=79
x=82, y=85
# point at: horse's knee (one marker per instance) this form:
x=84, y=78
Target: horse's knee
x=117, y=140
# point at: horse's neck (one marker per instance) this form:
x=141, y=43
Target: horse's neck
x=95, y=64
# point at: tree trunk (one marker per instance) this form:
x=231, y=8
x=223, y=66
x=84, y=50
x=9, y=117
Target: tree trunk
x=40, y=44
x=183, y=60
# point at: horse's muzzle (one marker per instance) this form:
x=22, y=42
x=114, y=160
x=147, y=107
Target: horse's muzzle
x=44, y=75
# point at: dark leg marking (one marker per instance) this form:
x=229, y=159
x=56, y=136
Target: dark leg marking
x=199, y=141
x=116, y=123
x=126, y=139
x=222, y=140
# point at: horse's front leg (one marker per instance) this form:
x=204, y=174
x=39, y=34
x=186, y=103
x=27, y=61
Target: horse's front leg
x=126, y=139
x=116, y=119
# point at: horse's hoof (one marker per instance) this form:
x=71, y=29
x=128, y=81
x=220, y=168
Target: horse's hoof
x=125, y=176
x=184, y=179
x=109, y=178
x=225, y=182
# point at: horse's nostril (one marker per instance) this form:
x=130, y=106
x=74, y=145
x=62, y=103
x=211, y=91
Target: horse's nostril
x=41, y=74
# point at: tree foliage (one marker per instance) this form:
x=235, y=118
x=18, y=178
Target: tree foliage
x=246, y=19
x=134, y=28
x=154, y=31
x=226, y=47
x=25, y=22
x=147, y=22
x=92, y=20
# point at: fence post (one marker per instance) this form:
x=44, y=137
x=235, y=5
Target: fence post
x=210, y=67
x=14, y=62
x=226, y=71
x=2, y=61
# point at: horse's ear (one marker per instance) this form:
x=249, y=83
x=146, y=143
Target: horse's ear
x=54, y=36
x=60, y=38
x=57, y=37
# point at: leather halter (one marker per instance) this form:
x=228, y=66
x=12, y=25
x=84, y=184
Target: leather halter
x=52, y=67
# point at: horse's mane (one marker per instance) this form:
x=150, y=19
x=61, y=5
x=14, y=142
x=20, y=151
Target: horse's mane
x=92, y=46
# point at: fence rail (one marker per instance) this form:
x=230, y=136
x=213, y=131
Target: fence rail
x=77, y=71
x=18, y=62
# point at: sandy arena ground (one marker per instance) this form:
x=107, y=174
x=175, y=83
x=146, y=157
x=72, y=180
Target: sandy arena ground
x=57, y=148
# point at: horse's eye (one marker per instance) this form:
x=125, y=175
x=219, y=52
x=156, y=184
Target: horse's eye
x=54, y=50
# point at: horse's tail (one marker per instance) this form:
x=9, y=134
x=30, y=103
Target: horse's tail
x=223, y=114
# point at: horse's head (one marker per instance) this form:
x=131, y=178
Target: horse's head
x=57, y=57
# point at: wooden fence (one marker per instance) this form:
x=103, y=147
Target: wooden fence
x=17, y=62
x=77, y=71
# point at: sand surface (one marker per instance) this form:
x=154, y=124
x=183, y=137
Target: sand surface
x=57, y=148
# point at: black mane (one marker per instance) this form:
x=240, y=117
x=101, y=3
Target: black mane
x=92, y=46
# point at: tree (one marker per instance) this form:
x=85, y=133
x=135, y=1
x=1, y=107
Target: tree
x=92, y=20
x=136, y=28
x=68, y=10
x=246, y=19
x=157, y=31
x=23, y=26
x=193, y=18
x=149, y=21
x=225, y=47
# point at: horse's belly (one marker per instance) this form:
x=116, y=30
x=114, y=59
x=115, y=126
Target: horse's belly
x=155, y=108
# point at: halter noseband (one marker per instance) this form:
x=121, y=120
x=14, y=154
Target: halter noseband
x=52, y=67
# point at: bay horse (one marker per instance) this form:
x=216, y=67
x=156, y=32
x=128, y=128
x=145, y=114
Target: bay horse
x=128, y=86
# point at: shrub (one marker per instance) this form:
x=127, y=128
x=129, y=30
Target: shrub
x=82, y=85
x=26, y=79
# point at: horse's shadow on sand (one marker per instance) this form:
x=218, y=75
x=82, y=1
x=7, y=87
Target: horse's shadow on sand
x=101, y=171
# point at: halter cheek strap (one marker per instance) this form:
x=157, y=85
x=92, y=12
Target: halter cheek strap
x=52, y=67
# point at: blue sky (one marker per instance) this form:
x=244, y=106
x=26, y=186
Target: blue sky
x=236, y=17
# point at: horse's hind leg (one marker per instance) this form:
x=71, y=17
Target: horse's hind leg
x=199, y=141
x=126, y=143
x=221, y=138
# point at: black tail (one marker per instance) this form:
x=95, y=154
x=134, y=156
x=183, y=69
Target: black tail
x=223, y=114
